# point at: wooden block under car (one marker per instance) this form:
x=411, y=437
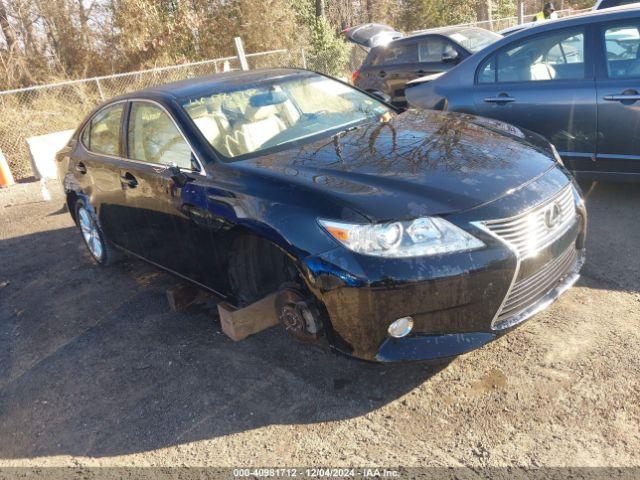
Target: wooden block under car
x=238, y=324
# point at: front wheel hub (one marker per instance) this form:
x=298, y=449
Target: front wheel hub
x=299, y=315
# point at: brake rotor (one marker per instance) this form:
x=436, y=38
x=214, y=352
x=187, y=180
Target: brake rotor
x=299, y=314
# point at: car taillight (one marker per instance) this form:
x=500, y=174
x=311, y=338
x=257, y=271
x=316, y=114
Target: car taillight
x=354, y=76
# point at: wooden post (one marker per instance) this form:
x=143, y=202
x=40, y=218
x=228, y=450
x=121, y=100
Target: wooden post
x=241, y=56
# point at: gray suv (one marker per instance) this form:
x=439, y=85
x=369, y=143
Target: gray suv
x=394, y=60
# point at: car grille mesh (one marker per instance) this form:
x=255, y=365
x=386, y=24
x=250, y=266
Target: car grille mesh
x=528, y=291
x=531, y=231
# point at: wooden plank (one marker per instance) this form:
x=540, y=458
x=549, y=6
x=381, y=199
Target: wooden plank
x=238, y=324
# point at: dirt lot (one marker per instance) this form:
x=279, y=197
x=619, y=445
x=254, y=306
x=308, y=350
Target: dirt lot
x=96, y=370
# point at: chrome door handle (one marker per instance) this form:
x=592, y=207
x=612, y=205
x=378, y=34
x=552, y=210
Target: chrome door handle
x=622, y=98
x=499, y=99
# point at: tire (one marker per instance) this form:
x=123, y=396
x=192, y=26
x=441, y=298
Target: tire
x=94, y=239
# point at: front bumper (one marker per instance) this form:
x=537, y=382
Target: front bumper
x=454, y=299
x=425, y=346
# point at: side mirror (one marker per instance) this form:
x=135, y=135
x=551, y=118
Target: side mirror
x=381, y=96
x=450, y=56
x=178, y=176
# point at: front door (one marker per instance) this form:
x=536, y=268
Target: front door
x=618, y=91
x=543, y=84
x=154, y=199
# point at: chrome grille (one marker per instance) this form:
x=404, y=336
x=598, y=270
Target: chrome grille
x=528, y=291
x=531, y=231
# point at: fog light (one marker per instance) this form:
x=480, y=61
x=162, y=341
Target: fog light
x=401, y=327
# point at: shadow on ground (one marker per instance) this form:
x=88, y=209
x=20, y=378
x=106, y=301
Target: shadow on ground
x=92, y=362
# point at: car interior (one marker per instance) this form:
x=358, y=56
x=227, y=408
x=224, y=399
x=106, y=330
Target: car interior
x=557, y=57
x=154, y=138
x=623, y=52
x=234, y=127
x=243, y=121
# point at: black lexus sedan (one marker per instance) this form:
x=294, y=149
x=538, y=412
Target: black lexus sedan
x=390, y=236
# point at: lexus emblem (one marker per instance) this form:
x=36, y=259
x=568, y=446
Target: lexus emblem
x=552, y=216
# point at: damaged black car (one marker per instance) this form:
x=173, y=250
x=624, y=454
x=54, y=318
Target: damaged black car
x=389, y=236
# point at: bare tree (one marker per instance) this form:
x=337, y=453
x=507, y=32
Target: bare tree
x=6, y=27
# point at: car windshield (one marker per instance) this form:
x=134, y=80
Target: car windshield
x=473, y=39
x=253, y=118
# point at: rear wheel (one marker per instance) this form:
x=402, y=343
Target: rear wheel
x=95, y=240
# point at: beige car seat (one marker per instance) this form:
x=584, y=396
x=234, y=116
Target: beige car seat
x=261, y=125
x=542, y=71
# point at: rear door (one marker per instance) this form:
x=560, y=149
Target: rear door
x=544, y=83
x=618, y=92
x=96, y=161
x=390, y=69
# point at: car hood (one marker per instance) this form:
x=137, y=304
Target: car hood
x=419, y=163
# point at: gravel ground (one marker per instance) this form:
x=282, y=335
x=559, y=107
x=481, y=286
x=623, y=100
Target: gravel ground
x=95, y=370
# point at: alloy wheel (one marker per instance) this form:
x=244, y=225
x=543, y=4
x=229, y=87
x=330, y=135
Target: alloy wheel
x=90, y=233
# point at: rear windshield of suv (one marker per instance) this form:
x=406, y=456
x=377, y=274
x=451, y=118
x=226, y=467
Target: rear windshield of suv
x=395, y=54
x=473, y=39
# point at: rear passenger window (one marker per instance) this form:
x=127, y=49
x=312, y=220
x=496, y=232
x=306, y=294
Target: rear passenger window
x=102, y=134
x=432, y=49
x=396, y=54
x=154, y=138
x=623, y=52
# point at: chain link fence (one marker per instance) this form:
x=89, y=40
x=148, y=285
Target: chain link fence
x=40, y=110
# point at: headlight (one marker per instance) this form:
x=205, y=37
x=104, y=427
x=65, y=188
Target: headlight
x=423, y=236
x=556, y=155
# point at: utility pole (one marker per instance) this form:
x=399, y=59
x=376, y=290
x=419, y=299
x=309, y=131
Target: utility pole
x=520, y=12
x=319, y=8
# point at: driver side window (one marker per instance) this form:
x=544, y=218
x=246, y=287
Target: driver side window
x=553, y=56
x=154, y=138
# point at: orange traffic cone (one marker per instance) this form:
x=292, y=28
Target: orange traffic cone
x=6, y=179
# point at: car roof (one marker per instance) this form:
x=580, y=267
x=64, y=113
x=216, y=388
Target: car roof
x=433, y=32
x=218, y=82
x=591, y=16
x=447, y=30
